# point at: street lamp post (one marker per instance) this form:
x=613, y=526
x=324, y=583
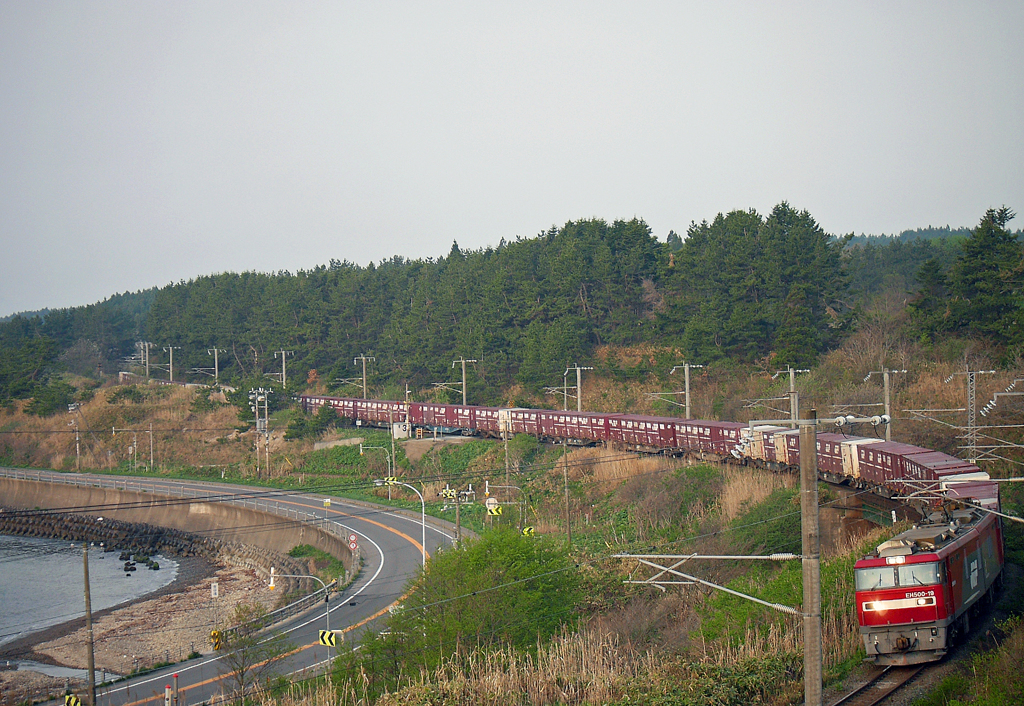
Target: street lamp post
x=423, y=512
x=327, y=600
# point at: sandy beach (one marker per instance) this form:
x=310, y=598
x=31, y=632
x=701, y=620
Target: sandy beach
x=165, y=626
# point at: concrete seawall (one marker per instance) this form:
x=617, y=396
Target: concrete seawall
x=242, y=536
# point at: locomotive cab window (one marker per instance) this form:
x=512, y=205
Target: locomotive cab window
x=875, y=577
x=920, y=574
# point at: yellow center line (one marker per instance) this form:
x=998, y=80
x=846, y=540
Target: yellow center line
x=220, y=677
x=211, y=680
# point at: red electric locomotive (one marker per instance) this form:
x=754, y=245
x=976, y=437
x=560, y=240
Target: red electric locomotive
x=917, y=592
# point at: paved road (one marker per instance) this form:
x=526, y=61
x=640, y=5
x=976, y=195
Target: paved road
x=389, y=543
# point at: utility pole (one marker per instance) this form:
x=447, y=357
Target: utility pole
x=145, y=346
x=90, y=659
x=284, y=371
x=885, y=372
x=170, y=367
x=794, y=396
x=216, y=364
x=256, y=396
x=151, y=447
x=72, y=408
x=363, y=358
x=565, y=480
x=463, y=360
x=579, y=384
x=811, y=550
x=686, y=380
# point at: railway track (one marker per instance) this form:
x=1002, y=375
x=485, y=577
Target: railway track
x=882, y=684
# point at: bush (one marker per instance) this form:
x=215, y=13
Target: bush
x=49, y=399
x=128, y=393
x=501, y=590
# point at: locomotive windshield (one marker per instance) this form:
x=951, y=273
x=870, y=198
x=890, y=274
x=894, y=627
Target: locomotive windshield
x=904, y=575
x=875, y=577
x=920, y=574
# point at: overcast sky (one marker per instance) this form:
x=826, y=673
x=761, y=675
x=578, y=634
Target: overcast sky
x=147, y=142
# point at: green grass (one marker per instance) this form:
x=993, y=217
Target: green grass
x=327, y=567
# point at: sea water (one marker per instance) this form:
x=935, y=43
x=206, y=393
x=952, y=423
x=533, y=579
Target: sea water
x=42, y=583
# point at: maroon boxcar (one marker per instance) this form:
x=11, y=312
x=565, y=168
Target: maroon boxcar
x=518, y=420
x=642, y=433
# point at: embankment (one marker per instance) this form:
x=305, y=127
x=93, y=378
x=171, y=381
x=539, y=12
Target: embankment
x=181, y=526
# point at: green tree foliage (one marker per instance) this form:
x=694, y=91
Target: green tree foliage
x=525, y=310
x=875, y=264
x=503, y=589
x=980, y=294
x=743, y=286
x=985, y=281
x=24, y=362
x=746, y=287
x=51, y=398
x=312, y=426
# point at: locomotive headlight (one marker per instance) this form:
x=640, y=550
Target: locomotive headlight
x=922, y=601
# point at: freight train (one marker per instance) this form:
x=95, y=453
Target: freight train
x=915, y=594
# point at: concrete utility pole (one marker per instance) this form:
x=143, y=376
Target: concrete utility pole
x=72, y=408
x=686, y=381
x=885, y=372
x=463, y=360
x=145, y=345
x=216, y=364
x=284, y=371
x=568, y=518
x=794, y=396
x=811, y=549
x=363, y=358
x=170, y=367
x=579, y=384
x=90, y=659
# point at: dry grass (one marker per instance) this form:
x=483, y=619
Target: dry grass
x=607, y=466
x=746, y=487
x=578, y=668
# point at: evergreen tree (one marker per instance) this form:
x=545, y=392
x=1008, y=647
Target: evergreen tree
x=985, y=281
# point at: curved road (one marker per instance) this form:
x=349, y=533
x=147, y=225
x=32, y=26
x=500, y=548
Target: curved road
x=389, y=542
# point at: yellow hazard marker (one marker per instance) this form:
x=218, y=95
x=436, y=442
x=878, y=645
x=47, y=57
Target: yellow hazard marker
x=72, y=700
x=494, y=510
x=327, y=637
x=528, y=531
